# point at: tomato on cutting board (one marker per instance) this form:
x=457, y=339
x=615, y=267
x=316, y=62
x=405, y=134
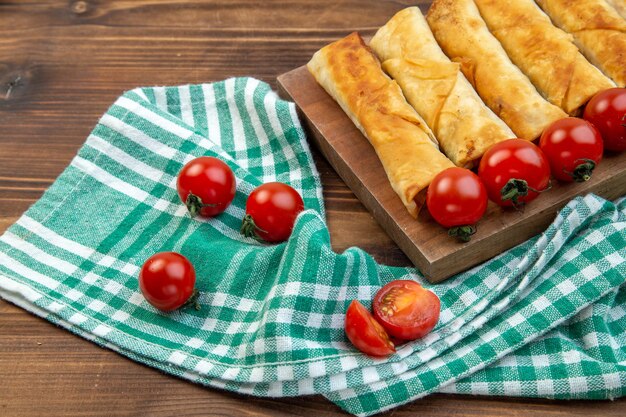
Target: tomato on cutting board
x=206, y=185
x=365, y=333
x=406, y=310
x=514, y=172
x=573, y=147
x=271, y=211
x=607, y=112
x=167, y=280
x=457, y=199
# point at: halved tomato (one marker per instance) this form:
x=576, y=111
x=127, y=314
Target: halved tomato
x=365, y=333
x=406, y=310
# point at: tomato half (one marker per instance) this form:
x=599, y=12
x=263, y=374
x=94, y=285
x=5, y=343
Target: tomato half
x=457, y=199
x=167, y=280
x=406, y=310
x=607, y=111
x=271, y=211
x=365, y=333
x=573, y=147
x=514, y=172
x=206, y=185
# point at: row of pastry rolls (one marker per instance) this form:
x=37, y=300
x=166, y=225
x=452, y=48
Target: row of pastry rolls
x=598, y=30
x=406, y=147
x=437, y=89
x=545, y=53
x=464, y=37
x=525, y=41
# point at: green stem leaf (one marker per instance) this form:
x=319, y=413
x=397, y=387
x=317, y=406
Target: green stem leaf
x=513, y=190
x=463, y=233
x=194, y=204
x=250, y=229
x=193, y=300
x=583, y=171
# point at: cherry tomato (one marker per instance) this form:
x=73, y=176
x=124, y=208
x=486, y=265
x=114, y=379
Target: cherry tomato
x=271, y=212
x=365, y=333
x=406, y=310
x=573, y=148
x=167, y=280
x=206, y=185
x=514, y=171
x=457, y=199
x=607, y=111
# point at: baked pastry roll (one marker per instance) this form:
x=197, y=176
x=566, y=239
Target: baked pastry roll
x=545, y=53
x=598, y=30
x=619, y=6
x=348, y=71
x=464, y=37
x=436, y=88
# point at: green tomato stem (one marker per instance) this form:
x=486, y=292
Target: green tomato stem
x=250, y=229
x=516, y=188
x=463, y=233
x=513, y=190
x=193, y=300
x=583, y=171
x=194, y=204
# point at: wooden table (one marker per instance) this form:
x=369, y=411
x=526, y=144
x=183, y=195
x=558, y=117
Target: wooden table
x=62, y=64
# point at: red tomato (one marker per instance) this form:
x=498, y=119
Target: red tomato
x=365, y=333
x=206, y=185
x=406, y=310
x=607, y=111
x=457, y=199
x=271, y=212
x=514, y=172
x=167, y=280
x=573, y=148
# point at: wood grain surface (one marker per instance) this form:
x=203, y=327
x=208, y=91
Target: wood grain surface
x=62, y=64
x=425, y=242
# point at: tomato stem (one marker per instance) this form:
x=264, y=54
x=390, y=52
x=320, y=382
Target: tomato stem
x=624, y=120
x=193, y=300
x=513, y=189
x=194, y=204
x=250, y=229
x=463, y=233
x=516, y=188
x=583, y=171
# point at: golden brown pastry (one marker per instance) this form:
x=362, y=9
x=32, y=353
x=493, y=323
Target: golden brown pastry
x=464, y=37
x=437, y=89
x=598, y=30
x=545, y=53
x=351, y=74
x=619, y=6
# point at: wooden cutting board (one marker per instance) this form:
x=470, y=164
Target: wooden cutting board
x=426, y=243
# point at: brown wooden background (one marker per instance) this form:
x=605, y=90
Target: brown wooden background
x=62, y=64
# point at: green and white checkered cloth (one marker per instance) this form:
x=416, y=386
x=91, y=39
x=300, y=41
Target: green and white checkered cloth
x=545, y=319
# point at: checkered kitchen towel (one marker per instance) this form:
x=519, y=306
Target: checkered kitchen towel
x=545, y=319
